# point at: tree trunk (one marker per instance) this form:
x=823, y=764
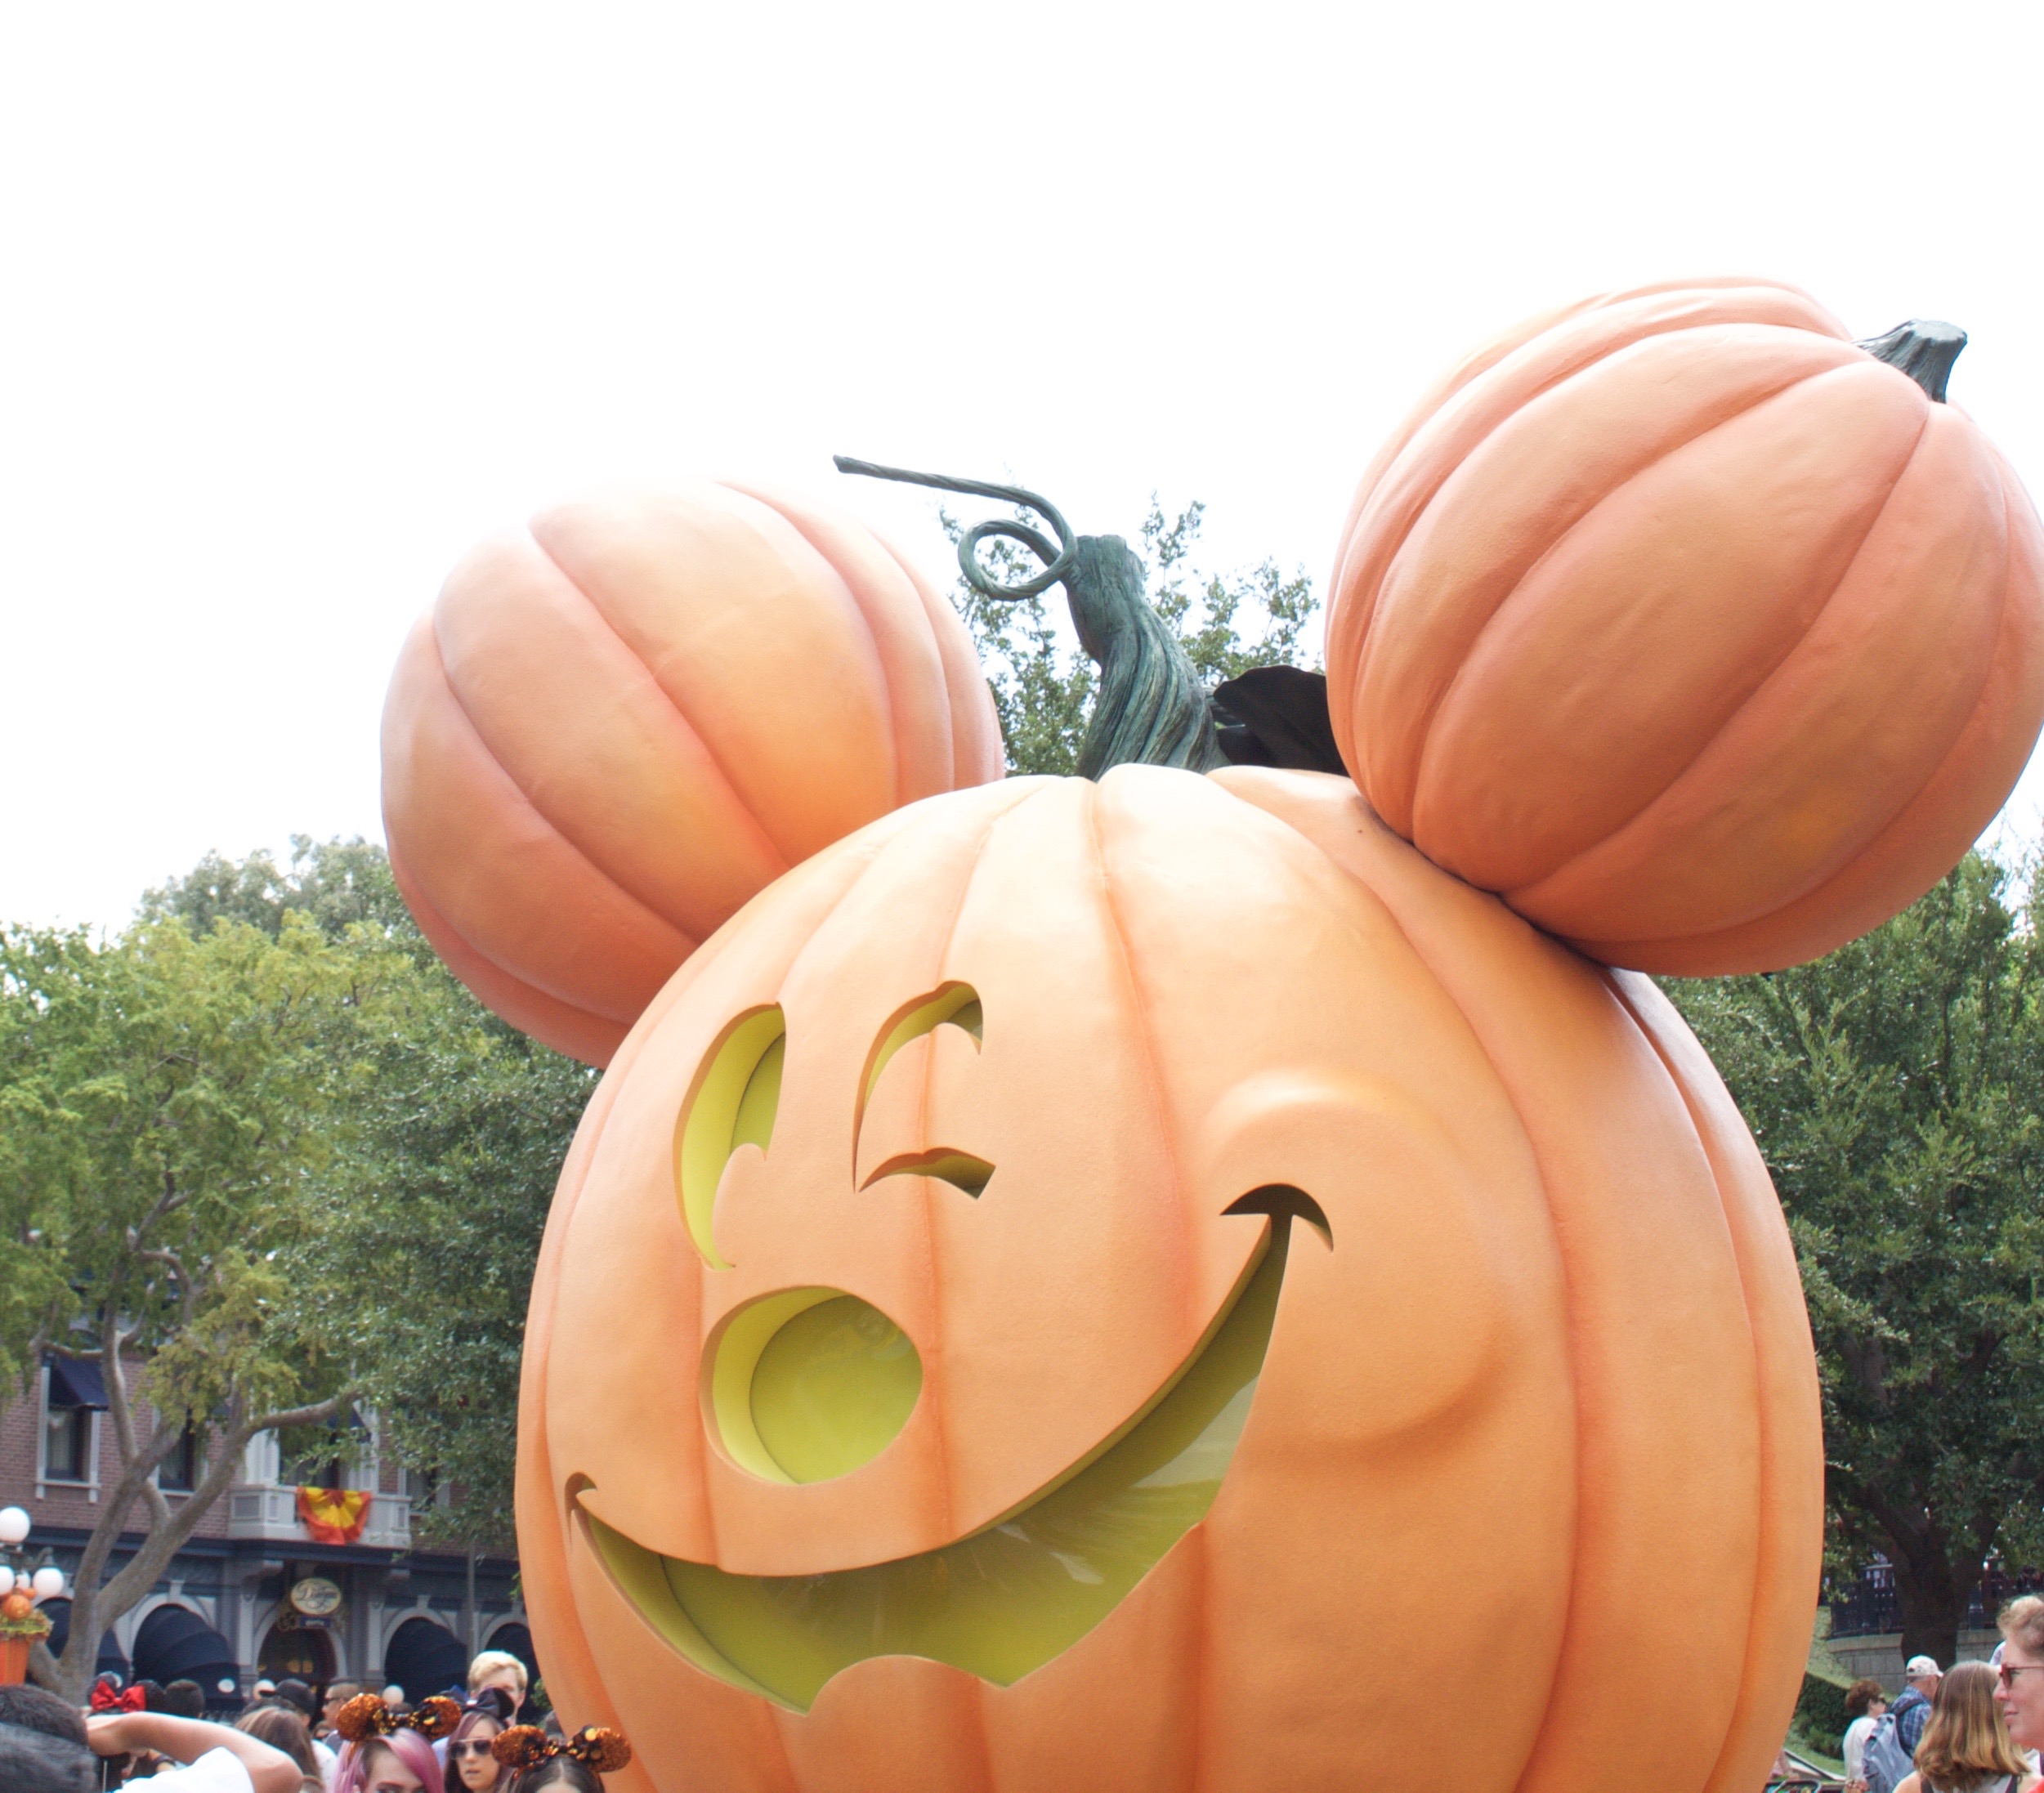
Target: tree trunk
x=98, y=1600
x=1932, y=1590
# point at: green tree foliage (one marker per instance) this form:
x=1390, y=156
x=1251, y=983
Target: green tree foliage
x=437, y=1219
x=1894, y=1089
x=164, y=1098
x=265, y=1146
x=333, y=884
x=1043, y=685
x=416, y=1260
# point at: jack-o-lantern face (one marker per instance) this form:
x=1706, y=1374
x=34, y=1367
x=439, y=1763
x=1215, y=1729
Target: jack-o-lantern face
x=1067, y=1273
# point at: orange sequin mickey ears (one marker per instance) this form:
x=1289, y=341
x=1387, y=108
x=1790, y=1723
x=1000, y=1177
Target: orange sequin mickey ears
x=594, y=1746
x=366, y=1716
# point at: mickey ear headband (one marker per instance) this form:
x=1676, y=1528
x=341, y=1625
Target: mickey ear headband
x=365, y=1716
x=594, y=1746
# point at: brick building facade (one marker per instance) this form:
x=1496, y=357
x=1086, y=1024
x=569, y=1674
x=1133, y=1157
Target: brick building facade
x=223, y=1614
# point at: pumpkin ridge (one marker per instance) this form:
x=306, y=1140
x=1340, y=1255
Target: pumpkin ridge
x=887, y=694
x=1613, y=982
x=1153, y=1078
x=1506, y=343
x=1017, y=793
x=1505, y=1084
x=521, y=796
x=951, y=717
x=972, y=682
x=552, y=1535
x=886, y=827
x=1468, y=655
x=1635, y=992
x=931, y=1269
x=463, y=958
x=1528, y=891
x=1640, y=952
x=738, y=801
x=1666, y=324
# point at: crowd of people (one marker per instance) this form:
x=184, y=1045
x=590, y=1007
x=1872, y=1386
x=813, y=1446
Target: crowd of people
x=1978, y=1729
x=292, y=1738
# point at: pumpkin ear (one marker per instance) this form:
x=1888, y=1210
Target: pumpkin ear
x=1732, y=639
x=621, y=722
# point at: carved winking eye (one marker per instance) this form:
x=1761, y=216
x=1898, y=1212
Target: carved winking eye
x=909, y=1048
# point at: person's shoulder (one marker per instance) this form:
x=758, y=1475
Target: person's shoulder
x=1910, y=1783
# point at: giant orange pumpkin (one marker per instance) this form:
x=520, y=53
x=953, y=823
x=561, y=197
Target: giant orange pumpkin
x=619, y=724
x=1703, y=636
x=1149, y=1285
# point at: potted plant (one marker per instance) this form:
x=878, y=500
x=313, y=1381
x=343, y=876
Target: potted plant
x=22, y=1623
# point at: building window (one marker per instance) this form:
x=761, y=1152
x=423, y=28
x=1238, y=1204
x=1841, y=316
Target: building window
x=314, y=1471
x=179, y=1473
x=67, y=1444
x=73, y=1398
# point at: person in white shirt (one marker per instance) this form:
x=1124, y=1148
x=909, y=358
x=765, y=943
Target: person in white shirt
x=213, y=1758
x=1865, y=1701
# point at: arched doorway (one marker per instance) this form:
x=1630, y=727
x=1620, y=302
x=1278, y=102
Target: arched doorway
x=290, y=1652
x=513, y=1637
x=173, y=1644
x=424, y=1657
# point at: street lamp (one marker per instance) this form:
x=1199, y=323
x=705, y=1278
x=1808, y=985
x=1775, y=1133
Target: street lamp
x=45, y=1582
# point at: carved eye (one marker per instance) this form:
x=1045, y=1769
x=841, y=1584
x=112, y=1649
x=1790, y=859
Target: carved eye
x=733, y=1104
x=954, y=1004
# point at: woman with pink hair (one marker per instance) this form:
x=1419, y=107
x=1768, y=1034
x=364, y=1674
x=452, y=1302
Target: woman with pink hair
x=389, y=1754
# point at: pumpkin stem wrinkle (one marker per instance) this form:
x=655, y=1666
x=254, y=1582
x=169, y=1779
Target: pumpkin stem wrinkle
x=1152, y=709
x=1924, y=348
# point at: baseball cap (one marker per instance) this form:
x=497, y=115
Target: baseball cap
x=1920, y=1665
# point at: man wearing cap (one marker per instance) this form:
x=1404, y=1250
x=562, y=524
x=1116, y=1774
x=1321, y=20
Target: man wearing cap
x=1912, y=1709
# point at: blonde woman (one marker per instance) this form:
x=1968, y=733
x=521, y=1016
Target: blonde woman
x=1965, y=1746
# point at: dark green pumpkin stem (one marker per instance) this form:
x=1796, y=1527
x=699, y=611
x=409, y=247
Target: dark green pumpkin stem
x=1152, y=709
x=1924, y=349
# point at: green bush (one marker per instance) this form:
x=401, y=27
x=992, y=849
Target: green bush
x=1820, y=1712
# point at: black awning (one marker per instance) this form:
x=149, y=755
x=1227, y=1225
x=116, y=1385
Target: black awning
x=76, y=1382
x=423, y=1657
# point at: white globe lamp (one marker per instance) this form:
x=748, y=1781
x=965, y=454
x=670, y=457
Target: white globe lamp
x=14, y=1525
x=6, y=1581
x=48, y=1583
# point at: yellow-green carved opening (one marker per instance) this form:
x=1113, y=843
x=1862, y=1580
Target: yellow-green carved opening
x=956, y=1003
x=733, y=1104
x=1008, y=1599
x=810, y=1383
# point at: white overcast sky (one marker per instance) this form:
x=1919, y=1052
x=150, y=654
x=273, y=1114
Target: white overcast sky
x=299, y=302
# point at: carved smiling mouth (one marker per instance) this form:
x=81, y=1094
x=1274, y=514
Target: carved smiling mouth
x=1009, y=1597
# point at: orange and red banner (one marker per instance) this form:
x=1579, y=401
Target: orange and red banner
x=334, y=1515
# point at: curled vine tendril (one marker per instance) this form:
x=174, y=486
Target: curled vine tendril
x=1057, y=561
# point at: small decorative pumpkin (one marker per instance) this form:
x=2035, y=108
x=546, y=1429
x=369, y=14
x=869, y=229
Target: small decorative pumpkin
x=620, y=723
x=1076, y=1272
x=1702, y=634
